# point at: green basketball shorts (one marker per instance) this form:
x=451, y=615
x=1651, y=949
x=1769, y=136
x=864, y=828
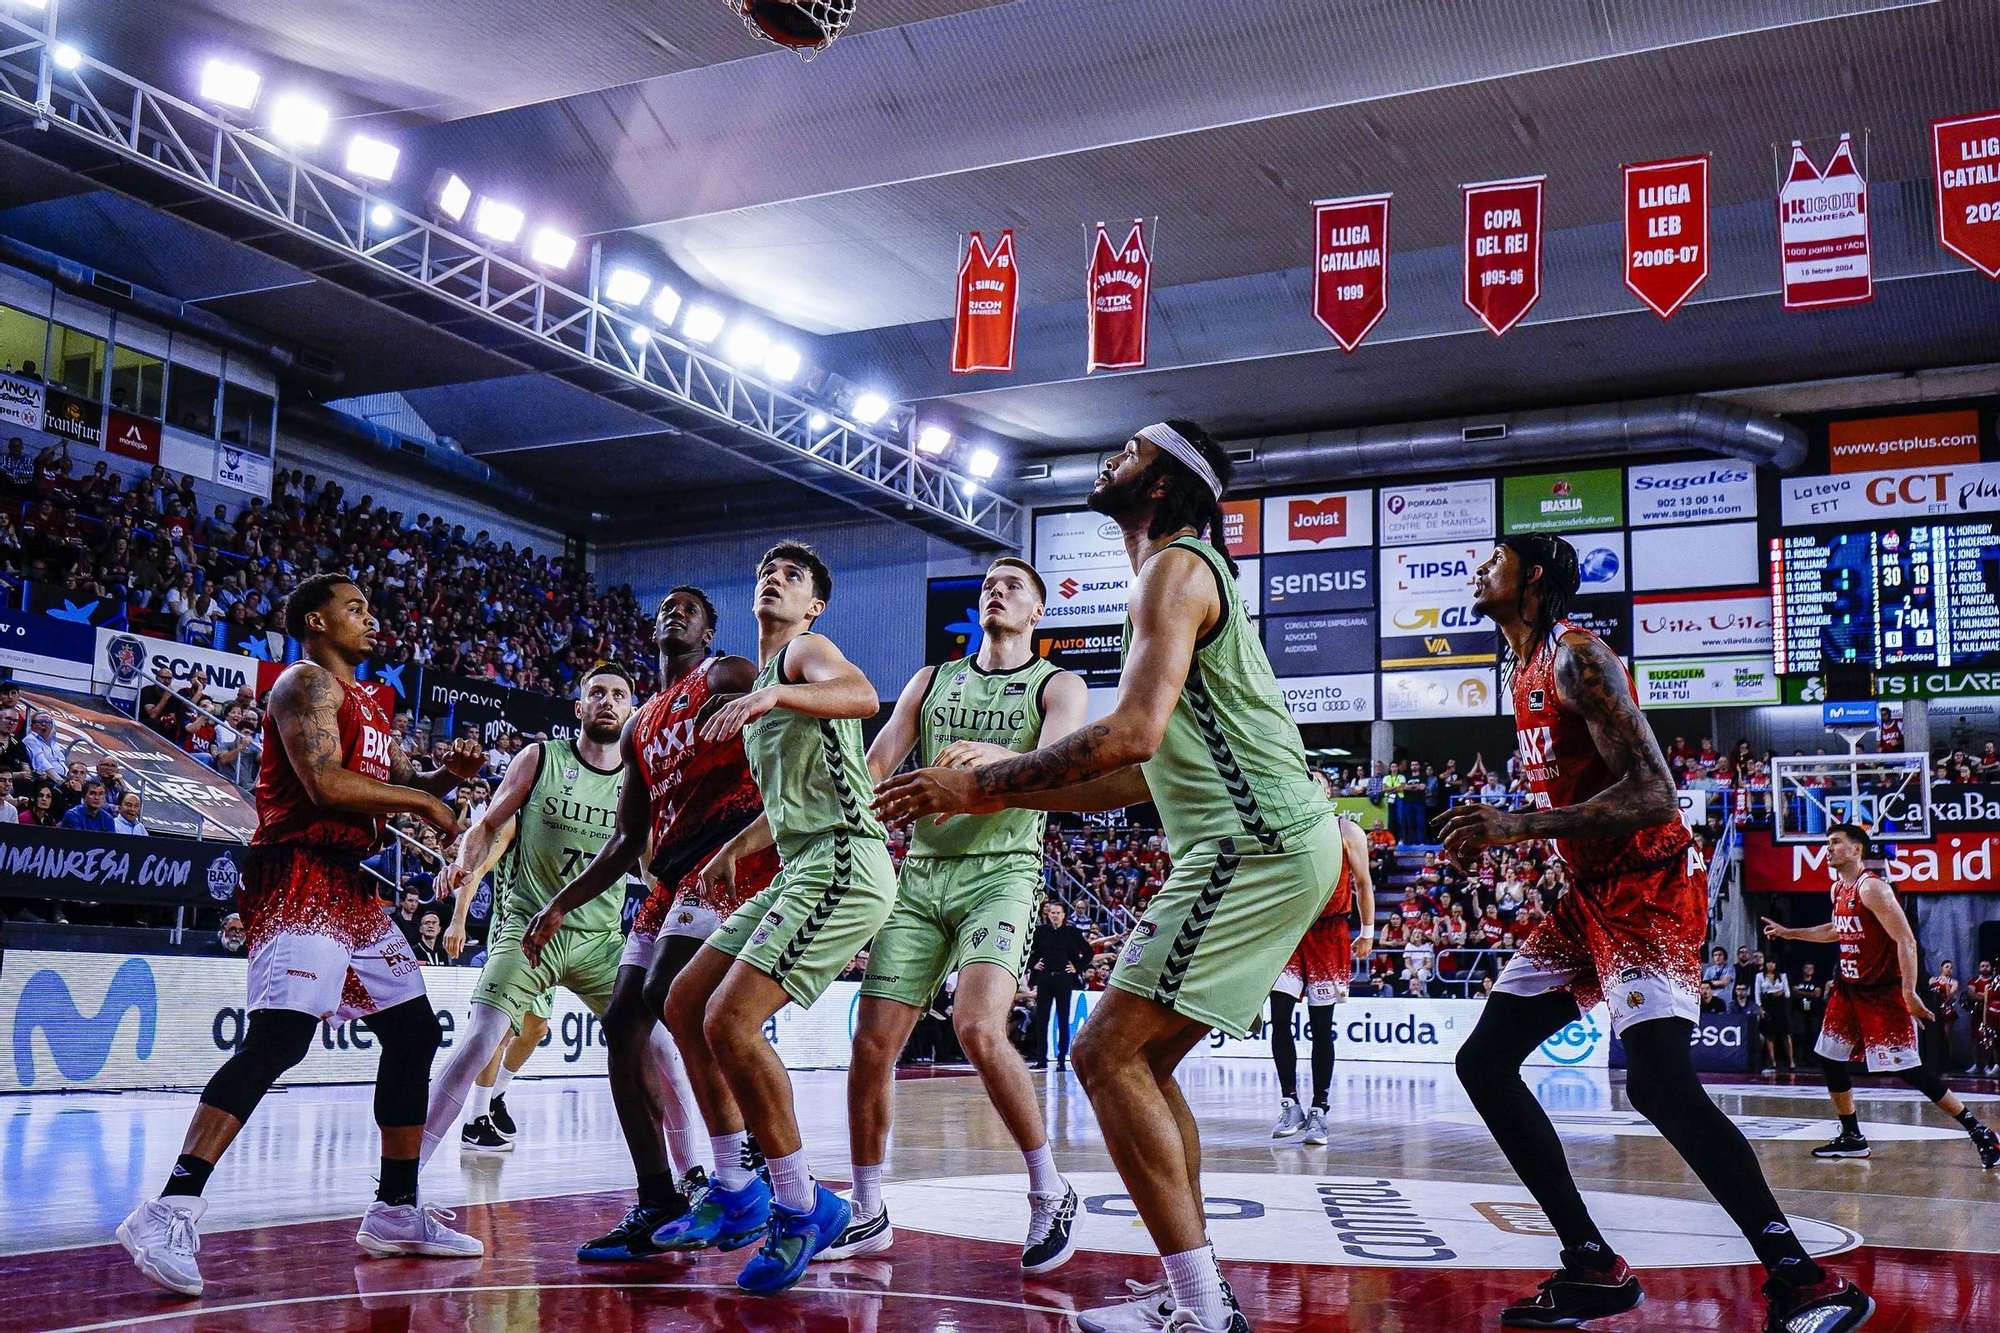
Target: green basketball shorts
x=1218, y=933
x=585, y=962
x=951, y=911
x=822, y=909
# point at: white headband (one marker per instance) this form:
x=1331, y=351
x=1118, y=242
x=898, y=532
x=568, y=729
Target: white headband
x=1166, y=438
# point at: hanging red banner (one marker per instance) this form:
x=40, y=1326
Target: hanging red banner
x=1666, y=231
x=1350, y=266
x=1966, y=150
x=1823, y=231
x=1503, y=250
x=134, y=437
x=1119, y=282
x=988, y=288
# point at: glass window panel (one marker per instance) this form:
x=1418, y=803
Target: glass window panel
x=76, y=362
x=138, y=382
x=246, y=418
x=24, y=342
x=191, y=400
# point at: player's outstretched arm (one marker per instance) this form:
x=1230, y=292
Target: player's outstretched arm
x=461, y=766
x=454, y=877
x=1823, y=933
x=818, y=682
x=899, y=734
x=477, y=850
x=306, y=704
x=621, y=851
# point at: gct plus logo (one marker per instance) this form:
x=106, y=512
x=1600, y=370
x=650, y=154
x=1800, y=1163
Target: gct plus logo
x=82, y=1045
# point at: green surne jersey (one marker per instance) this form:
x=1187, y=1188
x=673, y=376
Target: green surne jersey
x=1231, y=764
x=964, y=703
x=570, y=813
x=811, y=771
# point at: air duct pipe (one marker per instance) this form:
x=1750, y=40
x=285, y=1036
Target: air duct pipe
x=1468, y=444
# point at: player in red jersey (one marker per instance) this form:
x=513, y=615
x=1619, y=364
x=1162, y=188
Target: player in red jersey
x=1318, y=974
x=321, y=946
x=682, y=800
x=1872, y=1007
x=1629, y=932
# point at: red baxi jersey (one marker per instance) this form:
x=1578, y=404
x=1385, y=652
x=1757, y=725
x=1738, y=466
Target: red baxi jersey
x=1563, y=768
x=1342, y=902
x=1867, y=954
x=286, y=814
x=701, y=794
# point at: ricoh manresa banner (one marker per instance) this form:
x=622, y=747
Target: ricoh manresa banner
x=108, y=1021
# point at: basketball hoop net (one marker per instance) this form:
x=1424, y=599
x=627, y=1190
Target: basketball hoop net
x=805, y=26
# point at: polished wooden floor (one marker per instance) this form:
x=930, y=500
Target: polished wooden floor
x=1408, y=1223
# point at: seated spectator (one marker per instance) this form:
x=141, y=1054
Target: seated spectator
x=1718, y=973
x=1742, y=1004
x=112, y=775
x=229, y=942
x=10, y=810
x=48, y=756
x=90, y=815
x=41, y=809
x=127, y=820
x=406, y=914
x=15, y=760
x=1711, y=1003
x=161, y=708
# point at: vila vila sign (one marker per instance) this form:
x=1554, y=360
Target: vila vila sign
x=1666, y=231
x=1966, y=153
x=1119, y=281
x=1503, y=250
x=1350, y=266
x=988, y=290
x=1823, y=231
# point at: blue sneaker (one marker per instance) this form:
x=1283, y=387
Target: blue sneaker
x=724, y=1219
x=794, y=1238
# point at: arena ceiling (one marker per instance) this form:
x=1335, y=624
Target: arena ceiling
x=830, y=196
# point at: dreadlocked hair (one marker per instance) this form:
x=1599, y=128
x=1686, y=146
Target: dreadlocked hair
x=1560, y=578
x=1188, y=502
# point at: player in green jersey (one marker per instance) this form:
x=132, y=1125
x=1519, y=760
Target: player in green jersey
x=965, y=902
x=801, y=728
x=562, y=798
x=1201, y=729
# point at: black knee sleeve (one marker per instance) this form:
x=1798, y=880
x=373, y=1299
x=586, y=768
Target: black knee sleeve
x=1284, y=1051
x=277, y=1040
x=1925, y=1080
x=409, y=1034
x=1319, y=1022
x=1838, y=1079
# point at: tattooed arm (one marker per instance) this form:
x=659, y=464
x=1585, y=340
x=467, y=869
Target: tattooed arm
x=1173, y=602
x=1590, y=681
x=460, y=767
x=305, y=703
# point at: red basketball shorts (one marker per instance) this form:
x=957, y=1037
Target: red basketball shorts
x=1632, y=940
x=1320, y=967
x=1868, y=1022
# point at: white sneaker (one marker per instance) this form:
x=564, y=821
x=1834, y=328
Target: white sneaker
x=1290, y=1120
x=1316, y=1132
x=1145, y=1309
x=1187, y=1321
x=408, y=1229
x=862, y=1235
x=1051, y=1230
x=159, y=1235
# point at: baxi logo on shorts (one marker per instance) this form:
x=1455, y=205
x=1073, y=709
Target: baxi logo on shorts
x=82, y=1046
x=223, y=878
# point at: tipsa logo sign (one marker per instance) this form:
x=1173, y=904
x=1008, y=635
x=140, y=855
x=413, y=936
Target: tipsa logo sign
x=81, y=1044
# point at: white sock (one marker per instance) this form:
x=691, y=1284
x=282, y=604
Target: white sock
x=867, y=1196
x=792, y=1181
x=679, y=1116
x=1197, y=1286
x=1043, y=1178
x=501, y=1080
x=730, y=1173
x=480, y=1101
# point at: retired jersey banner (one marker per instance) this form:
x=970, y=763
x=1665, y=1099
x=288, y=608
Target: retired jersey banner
x=1666, y=231
x=1350, y=266
x=1119, y=281
x=1966, y=151
x=1503, y=250
x=1823, y=231
x=988, y=295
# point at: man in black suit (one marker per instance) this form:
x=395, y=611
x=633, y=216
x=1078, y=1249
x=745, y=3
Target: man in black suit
x=1056, y=967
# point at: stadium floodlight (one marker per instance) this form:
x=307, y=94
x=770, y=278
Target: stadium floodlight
x=298, y=120
x=371, y=159
x=782, y=362
x=65, y=56
x=984, y=463
x=382, y=217
x=626, y=286
x=703, y=322
x=870, y=408
x=551, y=249
x=933, y=438
x=817, y=421
x=450, y=196
x=639, y=334
x=497, y=220
x=226, y=83
x=747, y=344
x=666, y=305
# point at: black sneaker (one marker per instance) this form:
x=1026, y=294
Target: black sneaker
x=692, y=1182
x=1571, y=1295
x=1843, y=1144
x=1984, y=1139
x=1831, y=1305
x=1051, y=1240
x=631, y=1238
x=503, y=1124
x=480, y=1136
